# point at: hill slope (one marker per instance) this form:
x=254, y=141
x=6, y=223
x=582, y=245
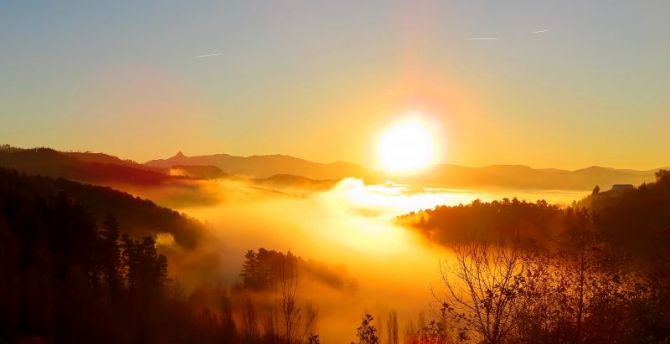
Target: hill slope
x=86, y=167
x=266, y=166
x=138, y=217
x=447, y=175
x=524, y=177
x=101, y=168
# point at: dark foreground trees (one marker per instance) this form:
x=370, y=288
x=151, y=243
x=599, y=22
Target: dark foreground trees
x=367, y=332
x=264, y=270
x=603, y=278
x=601, y=274
x=485, y=289
x=66, y=279
x=507, y=294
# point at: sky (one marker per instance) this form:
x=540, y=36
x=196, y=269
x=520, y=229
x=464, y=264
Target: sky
x=564, y=84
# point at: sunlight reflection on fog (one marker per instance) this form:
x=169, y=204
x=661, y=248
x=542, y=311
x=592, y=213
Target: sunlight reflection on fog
x=351, y=225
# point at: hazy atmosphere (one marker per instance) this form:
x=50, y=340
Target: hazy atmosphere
x=540, y=79
x=306, y=172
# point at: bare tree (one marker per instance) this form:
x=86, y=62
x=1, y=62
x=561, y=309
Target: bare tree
x=434, y=331
x=271, y=327
x=392, y=327
x=310, y=334
x=485, y=288
x=250, y=322
x=289, y=307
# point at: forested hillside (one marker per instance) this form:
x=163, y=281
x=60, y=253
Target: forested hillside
x=139, y=217
x=596, y=272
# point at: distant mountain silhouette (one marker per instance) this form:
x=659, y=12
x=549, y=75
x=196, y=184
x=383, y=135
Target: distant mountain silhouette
x=85, y=167
x=447, y=175
x=197, y=171
x=286, y=171
x=266, y=166
x=103, y=158
x=524, y=177
x=282, y=181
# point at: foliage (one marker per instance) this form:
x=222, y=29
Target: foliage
x=69, y=280
x=68, y=277
x=599, y=273
x=263, y=270
x=367, y=332
x=482, y=221
x=139, y=217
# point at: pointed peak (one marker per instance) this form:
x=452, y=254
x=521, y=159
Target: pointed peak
x=179, y=155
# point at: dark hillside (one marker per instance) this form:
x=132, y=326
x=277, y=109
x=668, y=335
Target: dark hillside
x=139, y=217
x=93, y=169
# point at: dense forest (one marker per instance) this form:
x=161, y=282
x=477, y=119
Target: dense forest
x=73, y=275
x=70, y=276
x=264, y=270
x=139, y=217
x=86, y=167
x=595, y=272
x=488, y=221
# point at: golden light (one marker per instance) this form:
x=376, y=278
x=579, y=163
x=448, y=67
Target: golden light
x=407, y=146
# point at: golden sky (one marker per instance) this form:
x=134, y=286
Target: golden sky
x=549, y=84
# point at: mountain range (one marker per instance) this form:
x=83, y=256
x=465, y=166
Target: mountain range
x=283, y=171
x=444, y=175
x=266, y=166
x=524, y=177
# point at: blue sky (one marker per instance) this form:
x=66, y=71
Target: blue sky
x=560, y=83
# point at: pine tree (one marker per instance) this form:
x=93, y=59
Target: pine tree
x=110, y=252
x=250, y=273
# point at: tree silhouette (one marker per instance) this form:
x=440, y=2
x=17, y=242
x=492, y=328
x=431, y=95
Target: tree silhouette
x=367, y=332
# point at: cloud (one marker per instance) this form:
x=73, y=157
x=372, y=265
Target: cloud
x=207, y=55
x=539, y=31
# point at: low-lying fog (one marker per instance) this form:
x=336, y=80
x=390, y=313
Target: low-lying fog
x=349, y=227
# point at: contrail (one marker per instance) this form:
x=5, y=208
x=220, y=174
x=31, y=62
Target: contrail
x=483, y=39
x=208, y=55
x=539, y=31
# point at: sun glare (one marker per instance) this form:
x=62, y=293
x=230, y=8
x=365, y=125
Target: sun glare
x=407, y=146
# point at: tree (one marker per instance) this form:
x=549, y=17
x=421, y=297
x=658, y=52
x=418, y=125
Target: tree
x=146, y=270
x=227, y=324
x=392, y=328
x=485, y=288
x=663, y=178
x=367, y=332
x=596, y=190
x=313, y=339
x=250, y=271
x=250, y=322
x=110, y=253
x=289, y=307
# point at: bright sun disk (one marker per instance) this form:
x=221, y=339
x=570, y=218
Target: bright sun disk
x=407, y=146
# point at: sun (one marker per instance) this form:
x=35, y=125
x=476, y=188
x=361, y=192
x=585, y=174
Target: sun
x=407, y=146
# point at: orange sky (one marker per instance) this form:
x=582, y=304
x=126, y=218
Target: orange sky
x=564, y=85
